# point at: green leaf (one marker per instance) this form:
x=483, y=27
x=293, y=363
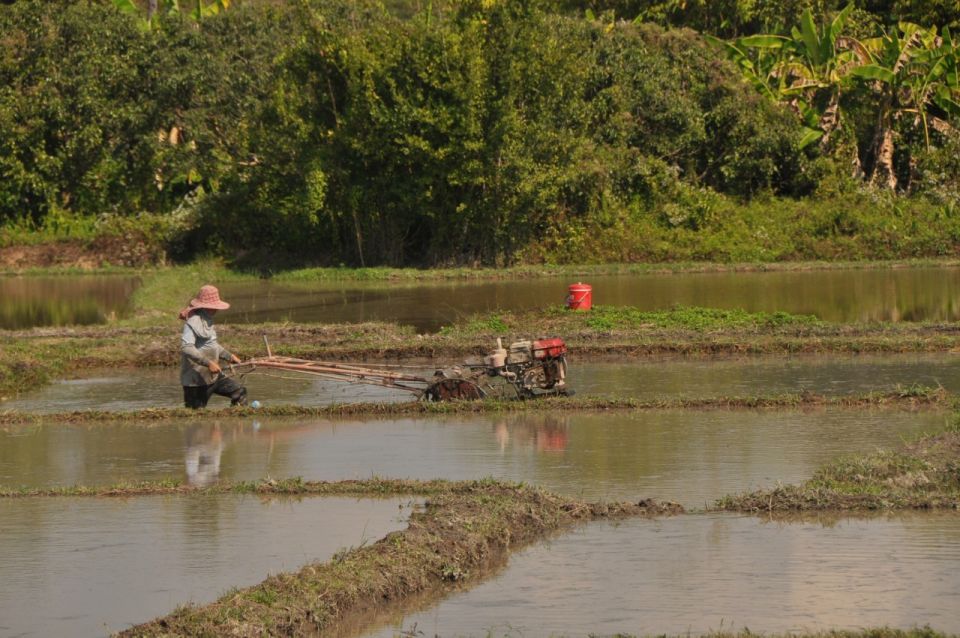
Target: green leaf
x=763, y=41
x=808, y=31
x=945, y=100
x=840, y=21
x=127, y=6
x=873, y=72
x=810, y=135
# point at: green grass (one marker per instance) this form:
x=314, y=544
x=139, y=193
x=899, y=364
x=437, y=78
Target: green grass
x=933, y=397
x=560, y=320
x=925, y=474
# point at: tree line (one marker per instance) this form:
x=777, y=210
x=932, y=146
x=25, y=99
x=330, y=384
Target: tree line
x=478, y=131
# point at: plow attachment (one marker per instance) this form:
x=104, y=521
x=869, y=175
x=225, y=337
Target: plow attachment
x=532, y=368
x=440, y=387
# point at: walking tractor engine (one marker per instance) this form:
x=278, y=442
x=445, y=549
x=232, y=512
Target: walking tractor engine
x=533, y=368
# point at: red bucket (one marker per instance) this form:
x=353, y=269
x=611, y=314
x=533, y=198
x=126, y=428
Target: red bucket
x=579, y=297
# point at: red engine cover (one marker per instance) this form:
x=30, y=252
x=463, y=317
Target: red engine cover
x=549, y=348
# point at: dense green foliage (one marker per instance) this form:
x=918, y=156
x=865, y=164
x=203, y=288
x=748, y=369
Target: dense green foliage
x=478, y=131
x=730, y=18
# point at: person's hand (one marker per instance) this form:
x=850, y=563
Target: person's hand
x=234, y=359
x=214, y=367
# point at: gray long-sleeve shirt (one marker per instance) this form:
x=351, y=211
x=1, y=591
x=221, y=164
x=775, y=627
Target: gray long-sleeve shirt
x=198, y=347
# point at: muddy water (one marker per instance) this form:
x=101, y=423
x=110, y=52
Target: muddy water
x=646, y=379
x=715, y=572
x=133, y=389
x=90, y=567
x=27, y=302
x=912, y=294
x=688, y=456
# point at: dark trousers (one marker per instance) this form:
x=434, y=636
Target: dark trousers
x=196, y=396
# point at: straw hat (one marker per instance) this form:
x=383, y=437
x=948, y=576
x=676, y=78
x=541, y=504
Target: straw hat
x=208, y=297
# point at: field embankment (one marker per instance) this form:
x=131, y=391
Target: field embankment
x=908, y=398
x=925, y=474
x=463, y=529
x=32, y=357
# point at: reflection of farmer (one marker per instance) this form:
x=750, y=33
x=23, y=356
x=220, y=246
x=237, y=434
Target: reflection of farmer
x=200, y=373
x=204, y=446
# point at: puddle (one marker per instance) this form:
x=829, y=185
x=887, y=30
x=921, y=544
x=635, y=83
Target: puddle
x=688, y=456
x=133, y=389
x=697, y=574
x=91, y=567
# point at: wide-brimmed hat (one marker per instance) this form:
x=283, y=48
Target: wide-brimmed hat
x=208, y=297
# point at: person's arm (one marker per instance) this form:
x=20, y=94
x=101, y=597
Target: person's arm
x=228, y=356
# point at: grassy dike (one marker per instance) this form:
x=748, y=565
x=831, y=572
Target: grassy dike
x=32, y=357
x=925, y=474
x=217, y=270
x=907, y=398
x=149, y=337
x=463, y=528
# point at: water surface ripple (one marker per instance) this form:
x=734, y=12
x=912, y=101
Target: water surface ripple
x=688, y=456
x=705, y=573
x=90, y=567
x=648, y=378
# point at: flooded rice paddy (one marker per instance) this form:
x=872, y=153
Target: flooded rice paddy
x=133, y=389
x=90, y=567
x=691, y=457
x=907, y=294
x=27, y=302
x=702, y=573
x=913, y=294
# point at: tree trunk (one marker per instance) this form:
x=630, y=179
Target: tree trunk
x=151, y=9
x=883, y=174
x=829, y=121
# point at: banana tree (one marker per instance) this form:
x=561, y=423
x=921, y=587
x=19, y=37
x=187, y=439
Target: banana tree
x=807, y=70
x=196, y=9
x=945, y=93
x=913, y=73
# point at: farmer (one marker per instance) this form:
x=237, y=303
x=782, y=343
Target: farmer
x=200, y=372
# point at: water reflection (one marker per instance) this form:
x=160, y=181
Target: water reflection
x=27, y=302
x=204, y=445
x=91, y=567
x=698, y=574
x=908, y=294
x=544, y=432
x=691, y=457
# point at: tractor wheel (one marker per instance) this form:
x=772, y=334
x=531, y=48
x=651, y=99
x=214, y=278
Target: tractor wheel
x=453, y=390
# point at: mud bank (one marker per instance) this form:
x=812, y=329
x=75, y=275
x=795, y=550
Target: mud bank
x=924, y=474
x=909, y=398
x=32, y=357
x=373, y=487
x=462, y=530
